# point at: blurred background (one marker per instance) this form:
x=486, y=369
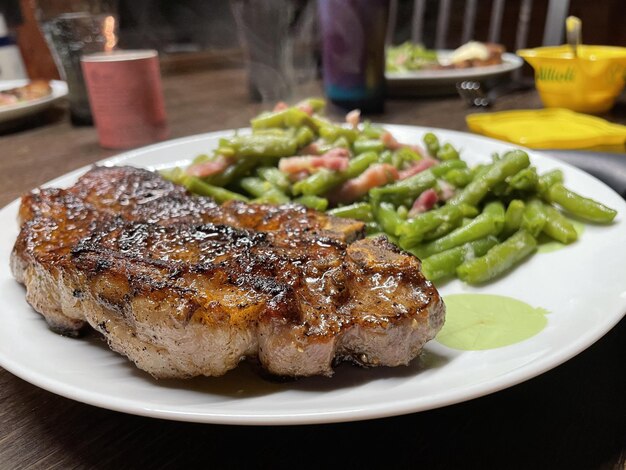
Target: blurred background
x=196, y=34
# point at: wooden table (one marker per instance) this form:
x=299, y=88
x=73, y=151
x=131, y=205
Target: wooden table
x=571, y=417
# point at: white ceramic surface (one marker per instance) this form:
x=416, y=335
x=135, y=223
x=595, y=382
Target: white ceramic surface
x=26, y=108
x=583, y=286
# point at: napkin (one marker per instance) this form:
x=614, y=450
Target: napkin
x=552, y=128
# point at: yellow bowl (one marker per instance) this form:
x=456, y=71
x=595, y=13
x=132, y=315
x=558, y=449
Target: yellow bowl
x=589, y=83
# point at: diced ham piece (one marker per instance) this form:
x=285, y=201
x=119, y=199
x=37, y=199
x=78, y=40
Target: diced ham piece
x=306, y=107
x=424, y=202
x=312, y=149
x=211, y=167
x=336, y=159
x=390, y=141
x=378, y=174
x=392, y=144
x=280, y=106
x=446, y=190
x=353, y=118
x=418, y=167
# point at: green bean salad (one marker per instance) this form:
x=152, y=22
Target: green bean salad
x=474, y=223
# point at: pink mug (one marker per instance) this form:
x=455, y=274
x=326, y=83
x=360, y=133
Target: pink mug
x=126, y=97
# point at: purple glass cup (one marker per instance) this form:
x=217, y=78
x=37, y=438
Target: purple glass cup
x=353, y=61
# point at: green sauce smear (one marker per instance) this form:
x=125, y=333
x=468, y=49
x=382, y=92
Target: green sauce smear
x=482, y=321
x=547, y=244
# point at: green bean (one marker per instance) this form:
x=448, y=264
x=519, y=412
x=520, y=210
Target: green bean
x=444, y=264
x=274, y=176
x=317, y=104
x=459, y=177
x=290, y=117
x=496, y=210
x=513, y=217
x=406, y=154
x=447, y=152
x=359, y=164
x=481, y=226
x=440, y=231
x=385, y=156
x=264, y=146
x=444, y=167
x=548, y=179
x=197, y=186
x=368, y=145
x=387, y=217
x=358, y=210
x=240, y=168
x=499, y=259
x=408, y=188
x=342, y=142
x=524, y=180
x=201, y=159
x=313, y=202
x=477, y=189
x=332, y=132
x=558, y=227
x=263, y=190
x=580, y=206
x=403, y=212
x=175, y=175
x=534, y=217
x=324, y=180
x=318, y=183
x=432, y=143
x=412, y=231
x=304, y=136
x=372, y=228
x=274, y=131
x=372, y=132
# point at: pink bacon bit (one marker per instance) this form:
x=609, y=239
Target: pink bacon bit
x=354, y=118
x=424, y=202
x=418, y=167
x=392, y=144
x=446, y=190
x=378, y=174
x=306, y=107
x=280, y=106
x=390, y=141
x=211, y=167
x=336, y=159
x=312, y=149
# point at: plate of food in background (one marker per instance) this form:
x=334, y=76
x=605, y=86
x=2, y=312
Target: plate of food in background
x=20, y=98
x=414, y=69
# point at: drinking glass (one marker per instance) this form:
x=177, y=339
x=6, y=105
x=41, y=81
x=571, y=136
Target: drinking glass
x=279, y=41
x=353, y=61
x=73, y=28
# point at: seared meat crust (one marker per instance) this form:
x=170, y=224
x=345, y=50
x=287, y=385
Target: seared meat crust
x=185, y=287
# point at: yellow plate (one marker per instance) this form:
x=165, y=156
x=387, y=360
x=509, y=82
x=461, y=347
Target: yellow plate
x=552, y=128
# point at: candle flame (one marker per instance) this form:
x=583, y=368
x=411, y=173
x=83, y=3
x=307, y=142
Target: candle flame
x=110, y=39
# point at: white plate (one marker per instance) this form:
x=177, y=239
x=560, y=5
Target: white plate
x=583, y=286
x=423, y=81
x=26, y=108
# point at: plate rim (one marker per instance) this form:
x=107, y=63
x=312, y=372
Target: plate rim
x=402, y=406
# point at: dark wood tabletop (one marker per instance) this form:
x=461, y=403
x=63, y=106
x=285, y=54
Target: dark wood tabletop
x=573, y=416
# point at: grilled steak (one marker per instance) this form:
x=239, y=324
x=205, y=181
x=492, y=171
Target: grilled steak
x=185, y=287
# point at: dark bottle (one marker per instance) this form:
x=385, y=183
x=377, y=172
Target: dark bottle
x=353, y=61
